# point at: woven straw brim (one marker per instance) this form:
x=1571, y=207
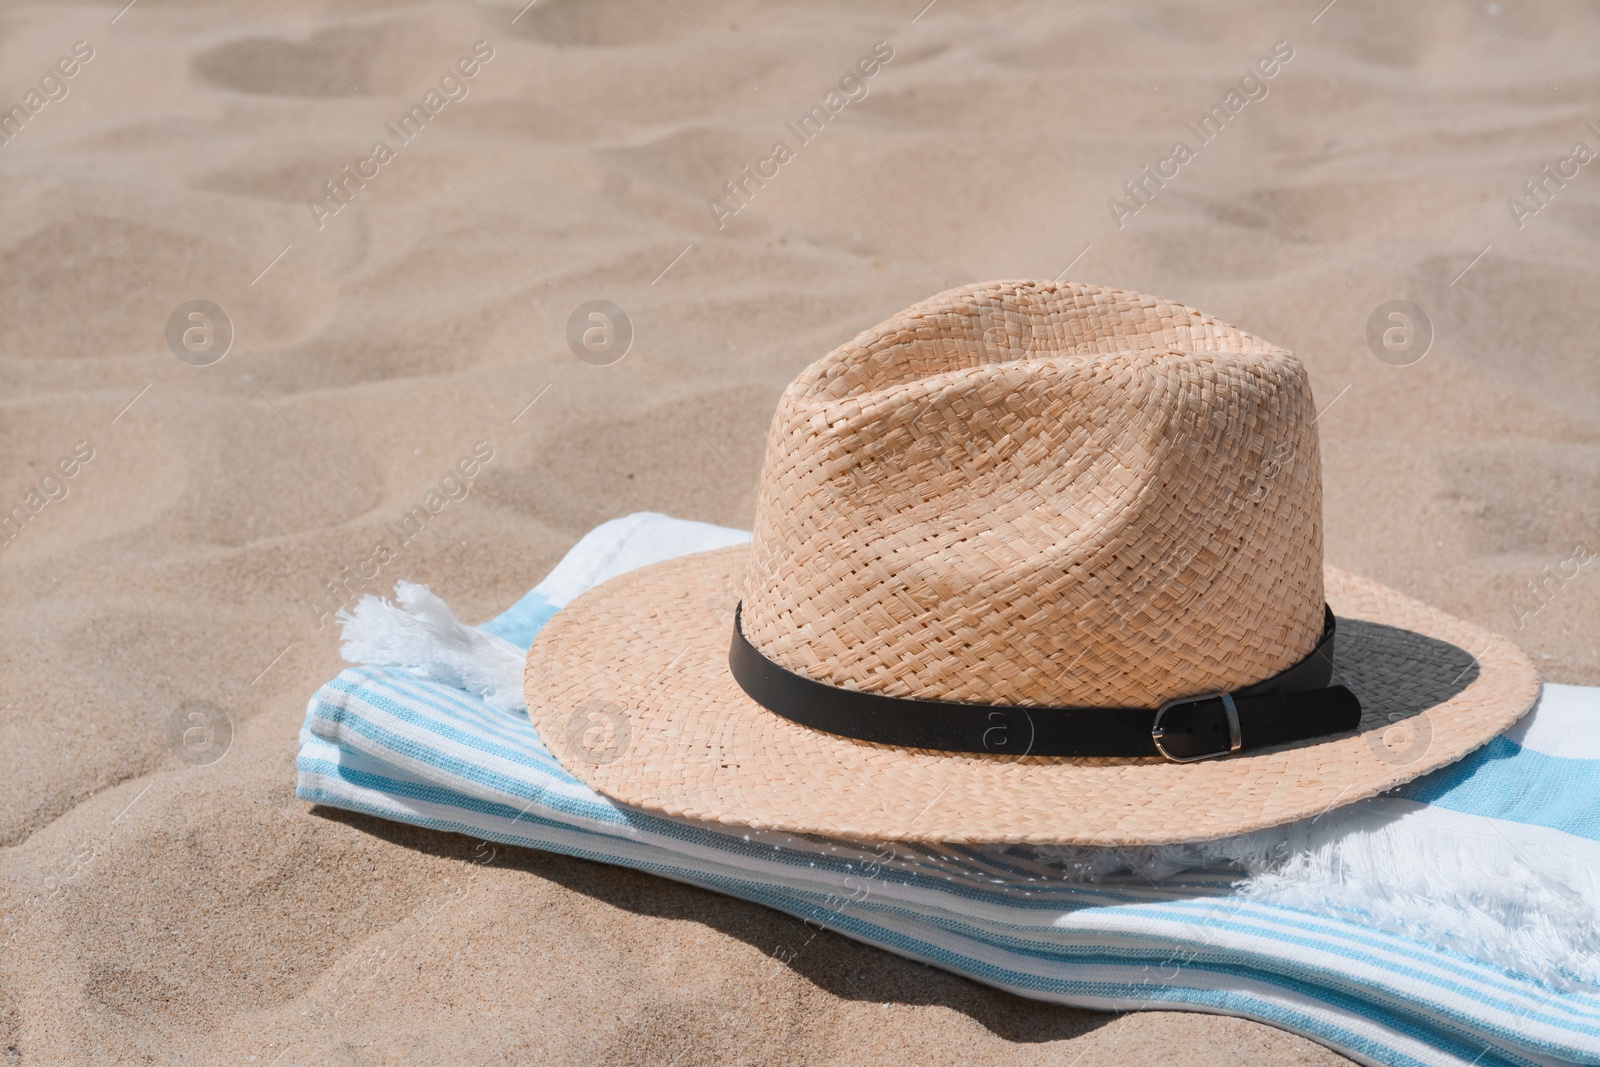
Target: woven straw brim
x=629, y=687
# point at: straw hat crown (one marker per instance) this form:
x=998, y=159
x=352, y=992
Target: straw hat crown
x=1040, y=494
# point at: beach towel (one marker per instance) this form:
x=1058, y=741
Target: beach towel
x=1450, y=922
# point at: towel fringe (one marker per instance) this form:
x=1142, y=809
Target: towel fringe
x=423, y=634
x=1402, y=867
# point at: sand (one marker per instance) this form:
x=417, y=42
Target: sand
x=166, y=911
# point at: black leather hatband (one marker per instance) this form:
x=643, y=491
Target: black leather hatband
x=1296, y=704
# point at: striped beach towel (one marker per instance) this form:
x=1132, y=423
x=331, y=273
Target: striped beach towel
x=1454, y=921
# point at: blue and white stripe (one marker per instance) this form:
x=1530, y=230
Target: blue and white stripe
x=395, y=744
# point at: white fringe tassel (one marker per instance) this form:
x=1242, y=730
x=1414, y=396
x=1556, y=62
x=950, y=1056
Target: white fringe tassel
x=423, y=634
x=1455, y=882
x=1452, y=881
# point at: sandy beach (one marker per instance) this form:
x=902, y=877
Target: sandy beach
x=191, y=498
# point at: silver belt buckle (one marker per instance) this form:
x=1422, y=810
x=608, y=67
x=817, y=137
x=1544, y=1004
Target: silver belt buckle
x=1160, y=732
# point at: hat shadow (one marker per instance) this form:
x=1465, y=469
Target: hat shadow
x=1399, y=674
x=848, y=969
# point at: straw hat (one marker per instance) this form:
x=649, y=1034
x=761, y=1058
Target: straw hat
x=1033, y=562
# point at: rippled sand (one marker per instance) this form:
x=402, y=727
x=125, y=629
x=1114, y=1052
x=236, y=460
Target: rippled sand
x=160, y=911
